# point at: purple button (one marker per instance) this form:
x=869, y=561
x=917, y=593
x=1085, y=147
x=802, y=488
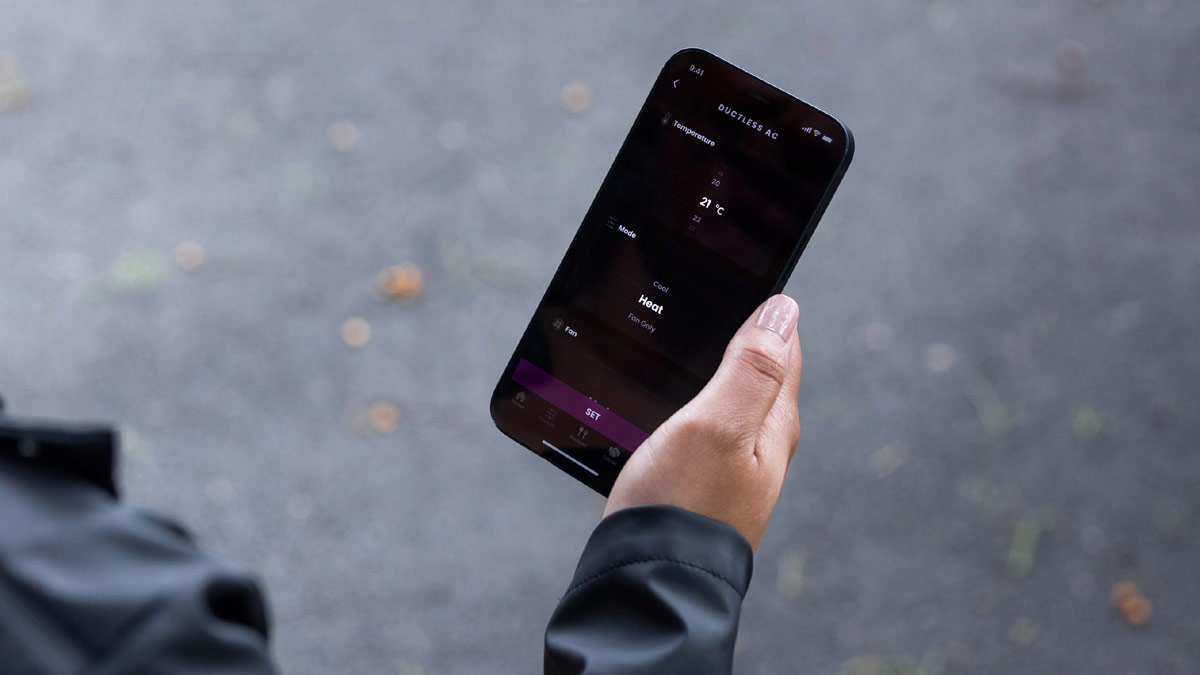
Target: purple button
x=577, y=405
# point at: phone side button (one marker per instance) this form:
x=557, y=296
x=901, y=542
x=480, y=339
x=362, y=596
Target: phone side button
x=580, y=464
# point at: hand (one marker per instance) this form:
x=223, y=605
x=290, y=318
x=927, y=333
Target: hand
x=725, y=453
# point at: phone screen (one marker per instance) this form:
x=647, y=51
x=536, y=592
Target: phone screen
x=702, y=216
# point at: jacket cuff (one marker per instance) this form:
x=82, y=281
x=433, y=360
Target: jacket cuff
x=662, y=533
x=84, y=451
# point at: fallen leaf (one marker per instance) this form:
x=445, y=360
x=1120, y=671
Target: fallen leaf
x=1088, y=422
x=888, y=459
x=576, y=97
x=384, y=417
x=356, y=332
x=1023, y=550
x=400, y=281
x=13, y=90
x=1023, y=631
x=344, y=136
x=791, y=574
x=1128, y=598
x=189, y=255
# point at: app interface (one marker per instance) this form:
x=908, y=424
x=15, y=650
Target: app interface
x=719, y=182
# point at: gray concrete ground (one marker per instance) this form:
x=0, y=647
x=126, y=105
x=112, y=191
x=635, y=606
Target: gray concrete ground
x=999, y=312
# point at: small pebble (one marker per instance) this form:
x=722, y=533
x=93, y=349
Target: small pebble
x=1071, y=55
x=940, y=357
x=820, y=43
x=877, y=337
x=452, y=134
x=219, y=491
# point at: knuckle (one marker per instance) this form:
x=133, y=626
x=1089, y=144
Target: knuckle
x=707, y=431
x=757, y=361
x=793, y=433
x=697, y=428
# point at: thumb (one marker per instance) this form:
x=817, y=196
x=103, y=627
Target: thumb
x=752, y=372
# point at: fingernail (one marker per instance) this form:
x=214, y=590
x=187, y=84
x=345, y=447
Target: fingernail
x=779, y=316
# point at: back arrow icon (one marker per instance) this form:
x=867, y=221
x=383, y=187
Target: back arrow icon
x=676, y=83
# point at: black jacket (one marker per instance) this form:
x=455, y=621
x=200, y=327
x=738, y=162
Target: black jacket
x=89, y=585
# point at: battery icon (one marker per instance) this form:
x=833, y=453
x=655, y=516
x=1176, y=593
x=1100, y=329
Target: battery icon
x=827, y=139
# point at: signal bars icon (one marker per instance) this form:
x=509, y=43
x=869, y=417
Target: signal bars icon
x=817, y=133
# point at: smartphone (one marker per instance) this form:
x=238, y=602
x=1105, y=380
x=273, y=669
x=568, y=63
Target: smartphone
x=702, y=216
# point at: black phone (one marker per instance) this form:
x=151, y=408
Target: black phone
x=702, y=216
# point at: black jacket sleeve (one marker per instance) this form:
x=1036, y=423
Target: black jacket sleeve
x=657, y=590
x=89, y=584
